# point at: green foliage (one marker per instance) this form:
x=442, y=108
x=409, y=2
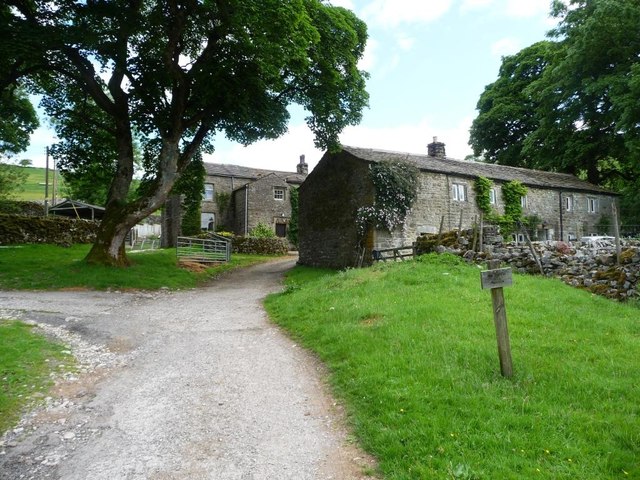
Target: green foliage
x=396, y=185
x=261, y=245
x=570, y=104
x=12, y=179
x=512, y=193
x=27, y=362
x=262, y=230
x=18, y=120
x=292, y=232
x=190, y=185
x=482, y=186
x=411, y=351
x=121, y=66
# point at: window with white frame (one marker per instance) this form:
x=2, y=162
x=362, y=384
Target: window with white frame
x=278, y=193
x=524, y=202
x=592, y=205
x=492, y=196
x=568, y=203
x=207, y=194
x=459, y=191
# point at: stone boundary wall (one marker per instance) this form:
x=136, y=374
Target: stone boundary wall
x=19, y=229
x=590, y=267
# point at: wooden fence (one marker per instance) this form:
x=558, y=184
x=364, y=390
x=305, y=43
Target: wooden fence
x=394, y=254
x=204, y=250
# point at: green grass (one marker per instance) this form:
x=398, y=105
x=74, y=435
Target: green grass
x=52, y=267
x=26, y=361
x=412, y=352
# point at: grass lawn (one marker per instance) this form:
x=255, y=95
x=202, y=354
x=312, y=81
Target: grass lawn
x=34, y=187
x=53, y=267
x=26, y=360
x=412, y=352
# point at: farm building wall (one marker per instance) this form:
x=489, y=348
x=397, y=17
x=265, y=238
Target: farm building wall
x=328, y=204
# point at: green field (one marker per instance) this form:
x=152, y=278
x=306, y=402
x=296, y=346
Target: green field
x=34, y=187
x=411, y=350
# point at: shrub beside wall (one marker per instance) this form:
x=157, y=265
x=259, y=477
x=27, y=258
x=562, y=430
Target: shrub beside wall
x=261, y=246
x=19, y=229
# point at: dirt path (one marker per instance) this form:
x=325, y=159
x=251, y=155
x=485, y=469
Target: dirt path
x=179, y=385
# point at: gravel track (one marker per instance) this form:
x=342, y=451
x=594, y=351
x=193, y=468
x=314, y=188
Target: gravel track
x=178, y=385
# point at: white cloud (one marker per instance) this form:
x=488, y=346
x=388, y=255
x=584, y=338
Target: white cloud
x=468, y=5
x=405, y=43
x=527, y=8
x=284, y=153
x=41, y=138
x=343, y=3
x=412, y=138
x=391, y=13
x=505, y=46
x=368, y=60
x=281, y=154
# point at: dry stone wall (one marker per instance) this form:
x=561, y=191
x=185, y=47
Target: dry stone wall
x=592, y=267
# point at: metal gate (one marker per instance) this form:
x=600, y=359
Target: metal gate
x=204, y=250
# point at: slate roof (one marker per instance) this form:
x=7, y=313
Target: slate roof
x=249, y=173
x=463, y=168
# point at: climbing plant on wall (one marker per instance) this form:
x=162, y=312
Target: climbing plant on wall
x=396, y=186
x=482, y=187
x=512, y=193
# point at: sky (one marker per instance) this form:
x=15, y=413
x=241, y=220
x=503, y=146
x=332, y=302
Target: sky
x=428, y=61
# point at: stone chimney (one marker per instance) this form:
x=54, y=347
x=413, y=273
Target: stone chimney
x=436, y=149
x=302, y=167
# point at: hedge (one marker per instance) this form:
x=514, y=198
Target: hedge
x=261, y=246
x=20, y=229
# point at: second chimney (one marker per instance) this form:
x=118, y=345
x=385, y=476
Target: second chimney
x=436, y=149
x=302, y=167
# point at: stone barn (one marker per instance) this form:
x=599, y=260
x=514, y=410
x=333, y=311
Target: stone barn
x=567, y=208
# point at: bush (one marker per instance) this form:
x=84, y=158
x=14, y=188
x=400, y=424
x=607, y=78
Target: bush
x=262, y=231
x=261, y=246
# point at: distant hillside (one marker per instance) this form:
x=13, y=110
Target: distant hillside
x=34, y=188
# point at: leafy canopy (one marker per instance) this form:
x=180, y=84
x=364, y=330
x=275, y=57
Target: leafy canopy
x=170, y=75
x=570, y=104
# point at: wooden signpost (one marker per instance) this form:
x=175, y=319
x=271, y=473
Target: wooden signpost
x=495, y=278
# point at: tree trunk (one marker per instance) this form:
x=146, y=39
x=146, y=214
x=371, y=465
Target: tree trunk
x=108, y=249
x=120, y=216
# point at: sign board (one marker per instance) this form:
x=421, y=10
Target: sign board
x=497, y=278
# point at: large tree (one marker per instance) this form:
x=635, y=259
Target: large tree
x=173, y=73
x=580, y=111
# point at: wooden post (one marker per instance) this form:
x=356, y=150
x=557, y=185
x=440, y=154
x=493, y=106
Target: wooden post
x=495, y=278
x=440, y=231
x=481, y=238
x=616, y=230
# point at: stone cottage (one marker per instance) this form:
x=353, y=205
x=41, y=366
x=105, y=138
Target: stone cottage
x=237, y=198
x=567, y=207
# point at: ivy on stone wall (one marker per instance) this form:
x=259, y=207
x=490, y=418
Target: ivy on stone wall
x=512, y=193
x=396, y=186
x=482, y=187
